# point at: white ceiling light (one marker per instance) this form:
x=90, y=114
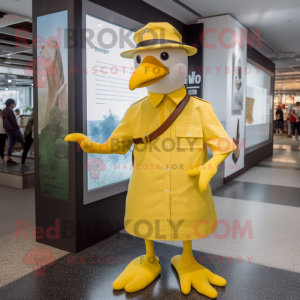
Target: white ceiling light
x=6, y=89
x=9, y=80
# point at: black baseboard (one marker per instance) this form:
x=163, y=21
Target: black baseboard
x=255, y=157
x=234, y=175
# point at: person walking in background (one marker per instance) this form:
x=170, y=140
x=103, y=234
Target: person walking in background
x=289, y=125
x=28, y=135
x=294, y=120
x=279, y=120
x=19, y=120
x=296, y=110
x=3, y=137
x=12, y=129
x=18, y=117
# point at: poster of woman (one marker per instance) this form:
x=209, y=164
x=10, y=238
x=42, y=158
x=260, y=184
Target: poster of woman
x=51, y=71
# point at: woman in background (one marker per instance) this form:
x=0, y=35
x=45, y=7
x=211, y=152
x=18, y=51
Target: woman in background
x=295, y=121
x=279, y=120
x=3, y=137
x=28, y=136
x=289, y=125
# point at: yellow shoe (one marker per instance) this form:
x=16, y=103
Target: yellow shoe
x=138, y=274
x=192, y=274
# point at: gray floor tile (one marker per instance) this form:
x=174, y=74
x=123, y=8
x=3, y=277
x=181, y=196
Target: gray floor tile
x=282, y=195
x=275, y=228
x=94, y=281
x=280, y=166
x=271, y=176
x=15, y=205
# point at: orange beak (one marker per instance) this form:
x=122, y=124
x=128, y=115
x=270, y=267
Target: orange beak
x=149, y=71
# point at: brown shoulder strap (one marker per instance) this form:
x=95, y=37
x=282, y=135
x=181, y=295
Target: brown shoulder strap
x=165, y=125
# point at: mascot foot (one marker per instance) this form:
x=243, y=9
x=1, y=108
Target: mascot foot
x=138, y=274
x=192, y=274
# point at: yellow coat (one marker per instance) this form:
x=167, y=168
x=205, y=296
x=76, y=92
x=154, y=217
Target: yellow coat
x=163, y=201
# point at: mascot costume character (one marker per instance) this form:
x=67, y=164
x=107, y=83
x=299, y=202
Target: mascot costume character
x=169, y=196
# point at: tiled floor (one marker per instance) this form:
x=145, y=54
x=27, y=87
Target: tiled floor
x=271, y=176
x=284, y=142
x=265, y=200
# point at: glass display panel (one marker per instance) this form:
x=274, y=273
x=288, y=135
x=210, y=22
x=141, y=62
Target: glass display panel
x=108, y=98
x=258, y=106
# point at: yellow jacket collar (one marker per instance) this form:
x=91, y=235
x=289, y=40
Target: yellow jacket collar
x=176, y=96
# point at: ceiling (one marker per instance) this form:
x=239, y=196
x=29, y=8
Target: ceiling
x=278, y=22
x=13, y=59
x=17, y=7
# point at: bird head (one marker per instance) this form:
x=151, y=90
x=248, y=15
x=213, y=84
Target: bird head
x=161, y=71
x=160, y=58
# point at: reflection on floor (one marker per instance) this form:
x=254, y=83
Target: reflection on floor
x=261, y=262
x=284, y=142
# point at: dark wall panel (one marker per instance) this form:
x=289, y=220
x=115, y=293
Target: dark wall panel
x=260, y=59
x=103, y=218
x=255, y=157
x=192, y=38
x=84, y=225
x=49, y=209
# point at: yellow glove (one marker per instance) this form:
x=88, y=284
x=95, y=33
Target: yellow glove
x=87, y=145
x=208, y=170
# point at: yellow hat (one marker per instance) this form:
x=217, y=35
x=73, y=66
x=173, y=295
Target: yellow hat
x=155, y=36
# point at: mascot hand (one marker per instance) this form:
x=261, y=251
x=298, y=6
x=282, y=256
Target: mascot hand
x=85, y=143
x=206, y=172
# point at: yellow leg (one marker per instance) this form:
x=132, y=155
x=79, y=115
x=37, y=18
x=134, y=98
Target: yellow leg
x=192, y=274
x=140, y=272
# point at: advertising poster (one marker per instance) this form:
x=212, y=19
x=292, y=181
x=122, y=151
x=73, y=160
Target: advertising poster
x=260, y=105
x=108, y=98
x=238, y=83
x=51, y=79
x=235, y=124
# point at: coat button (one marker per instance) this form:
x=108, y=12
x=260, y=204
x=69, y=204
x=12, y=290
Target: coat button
x=144, y=133
x=167, y=169
x=167, y=146
x=190, y=134
x=166, y=191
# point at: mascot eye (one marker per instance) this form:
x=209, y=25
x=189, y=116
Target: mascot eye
x=164, y=56
x=138, y=59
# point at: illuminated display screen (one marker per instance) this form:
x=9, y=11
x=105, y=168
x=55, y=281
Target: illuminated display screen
x=108, y=98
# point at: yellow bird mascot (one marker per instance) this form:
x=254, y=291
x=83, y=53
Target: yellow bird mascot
x=169, y=196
